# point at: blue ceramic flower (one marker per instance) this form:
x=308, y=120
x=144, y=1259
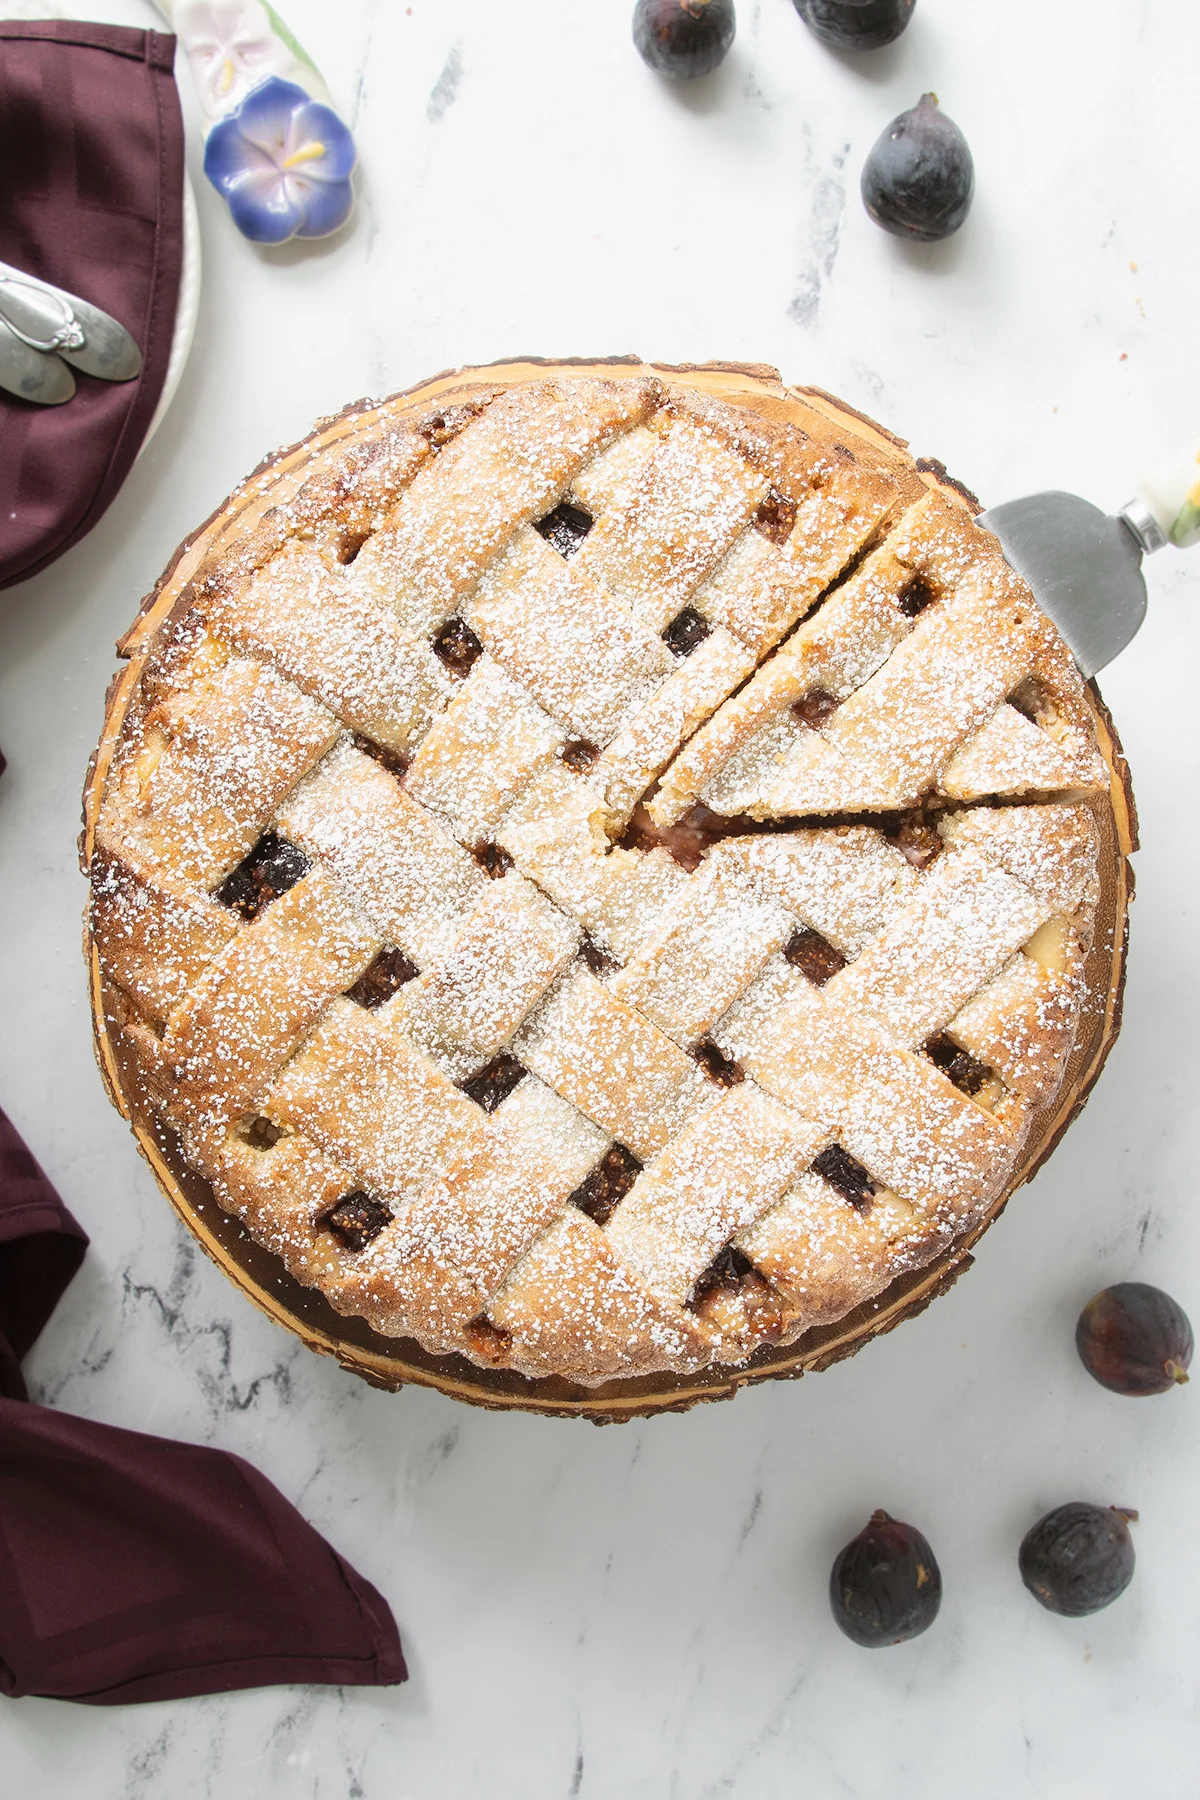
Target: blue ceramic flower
x=283, y=162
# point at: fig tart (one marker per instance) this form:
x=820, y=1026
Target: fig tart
x=596, y=868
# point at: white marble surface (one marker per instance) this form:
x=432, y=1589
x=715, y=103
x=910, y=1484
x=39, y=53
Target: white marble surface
x=641, y=1611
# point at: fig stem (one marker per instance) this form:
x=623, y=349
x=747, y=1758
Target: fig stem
x=1175, y=1370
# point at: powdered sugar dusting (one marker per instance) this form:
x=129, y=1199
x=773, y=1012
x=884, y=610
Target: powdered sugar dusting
x=459, y=817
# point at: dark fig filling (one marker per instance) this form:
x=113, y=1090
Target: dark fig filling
x=607, y=1185
x=358, y=1219
x=457, y=646
x=776, y=518
x=565, y=528
x=390, y=971
x=815, y=957
x=958, y=1065
x=850, y=1179
x=492, y=1084
x=686, y=632
x=720, y=1069
x=271, y=868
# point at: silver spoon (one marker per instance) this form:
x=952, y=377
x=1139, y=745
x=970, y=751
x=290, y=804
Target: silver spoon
x=30, y=374
x=52, y=323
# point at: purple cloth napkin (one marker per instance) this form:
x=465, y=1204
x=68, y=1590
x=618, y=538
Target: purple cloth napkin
x=41, y=1246
x=134, y=1568
x=91, y=199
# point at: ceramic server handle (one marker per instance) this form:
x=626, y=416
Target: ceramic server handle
x=274, y=146
x=1167, y=507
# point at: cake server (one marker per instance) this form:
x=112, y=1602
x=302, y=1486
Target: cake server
x=1085, y=566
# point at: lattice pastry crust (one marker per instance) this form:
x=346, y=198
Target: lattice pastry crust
x=599, y=879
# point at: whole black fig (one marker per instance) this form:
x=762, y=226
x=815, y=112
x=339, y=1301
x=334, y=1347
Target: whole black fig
x=683, y=38
x=1078, y=1558
x=919, y=179
x=1135, y=1339
x=856, y=24
x=885, y=1585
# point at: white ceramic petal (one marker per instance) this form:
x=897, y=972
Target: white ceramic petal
x=230, y=47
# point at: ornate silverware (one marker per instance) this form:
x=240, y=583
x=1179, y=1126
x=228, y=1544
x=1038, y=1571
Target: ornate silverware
x=43, y=327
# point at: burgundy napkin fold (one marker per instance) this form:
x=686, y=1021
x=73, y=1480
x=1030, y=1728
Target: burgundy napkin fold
x=134, y=1568
x=41, y=1246
x=91, y=199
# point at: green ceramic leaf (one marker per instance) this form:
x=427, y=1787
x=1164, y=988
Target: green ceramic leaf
x=1186, y=523
x=285, y=36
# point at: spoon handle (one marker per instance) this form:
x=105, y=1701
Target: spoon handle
x=1167, y=507
x=38, y=317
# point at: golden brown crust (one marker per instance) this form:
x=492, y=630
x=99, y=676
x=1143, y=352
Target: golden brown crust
x=315, y=611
